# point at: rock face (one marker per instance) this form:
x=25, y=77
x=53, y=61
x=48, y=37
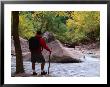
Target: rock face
x=24, y=46
x=48, y=36
x=60, y=54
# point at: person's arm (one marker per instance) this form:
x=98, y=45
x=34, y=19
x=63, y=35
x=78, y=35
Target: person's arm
x=43, y=44
x=41, y=48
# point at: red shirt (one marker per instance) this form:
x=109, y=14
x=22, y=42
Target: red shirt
x=42, y=44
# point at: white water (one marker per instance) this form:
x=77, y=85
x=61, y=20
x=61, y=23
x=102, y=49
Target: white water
x=89, y=68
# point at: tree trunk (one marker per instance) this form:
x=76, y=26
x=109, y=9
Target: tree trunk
x=19, y=59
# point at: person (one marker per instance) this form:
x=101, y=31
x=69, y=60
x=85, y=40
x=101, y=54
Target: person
x=36, y=55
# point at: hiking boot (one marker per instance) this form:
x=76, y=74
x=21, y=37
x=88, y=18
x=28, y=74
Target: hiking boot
x=34, y=73
x=43, y=73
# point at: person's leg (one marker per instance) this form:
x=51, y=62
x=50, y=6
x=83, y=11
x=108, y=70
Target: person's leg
x=42, y=66
x=42, y=61
x=43, y=72
x=33, y=68
x=33, y=60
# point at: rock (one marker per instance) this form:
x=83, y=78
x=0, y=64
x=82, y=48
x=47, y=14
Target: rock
x=25, y=49
x=26, y=56
x=24, y=45
x=62, y=54
x=49, y=36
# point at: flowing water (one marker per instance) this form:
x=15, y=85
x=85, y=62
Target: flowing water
x=90, y=67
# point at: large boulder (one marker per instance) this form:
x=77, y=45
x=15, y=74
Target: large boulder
x=24, y=45
x=48, y=36
x=61, y=54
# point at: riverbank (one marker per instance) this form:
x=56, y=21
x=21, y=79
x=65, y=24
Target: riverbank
x=91, y=49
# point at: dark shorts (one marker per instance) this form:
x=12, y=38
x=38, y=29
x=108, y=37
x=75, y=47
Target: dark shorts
x=35, y=57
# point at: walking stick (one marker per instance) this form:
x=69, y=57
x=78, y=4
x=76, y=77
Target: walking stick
x=49, y=64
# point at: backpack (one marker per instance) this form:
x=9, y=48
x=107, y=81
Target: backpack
x=33, y=43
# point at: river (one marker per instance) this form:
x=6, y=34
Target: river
x=90, y=67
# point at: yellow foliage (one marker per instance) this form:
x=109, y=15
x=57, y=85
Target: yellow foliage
x=69, y=23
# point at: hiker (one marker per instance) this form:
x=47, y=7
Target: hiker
x=36, y=53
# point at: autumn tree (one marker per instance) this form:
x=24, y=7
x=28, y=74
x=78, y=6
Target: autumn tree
x=67, y=26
